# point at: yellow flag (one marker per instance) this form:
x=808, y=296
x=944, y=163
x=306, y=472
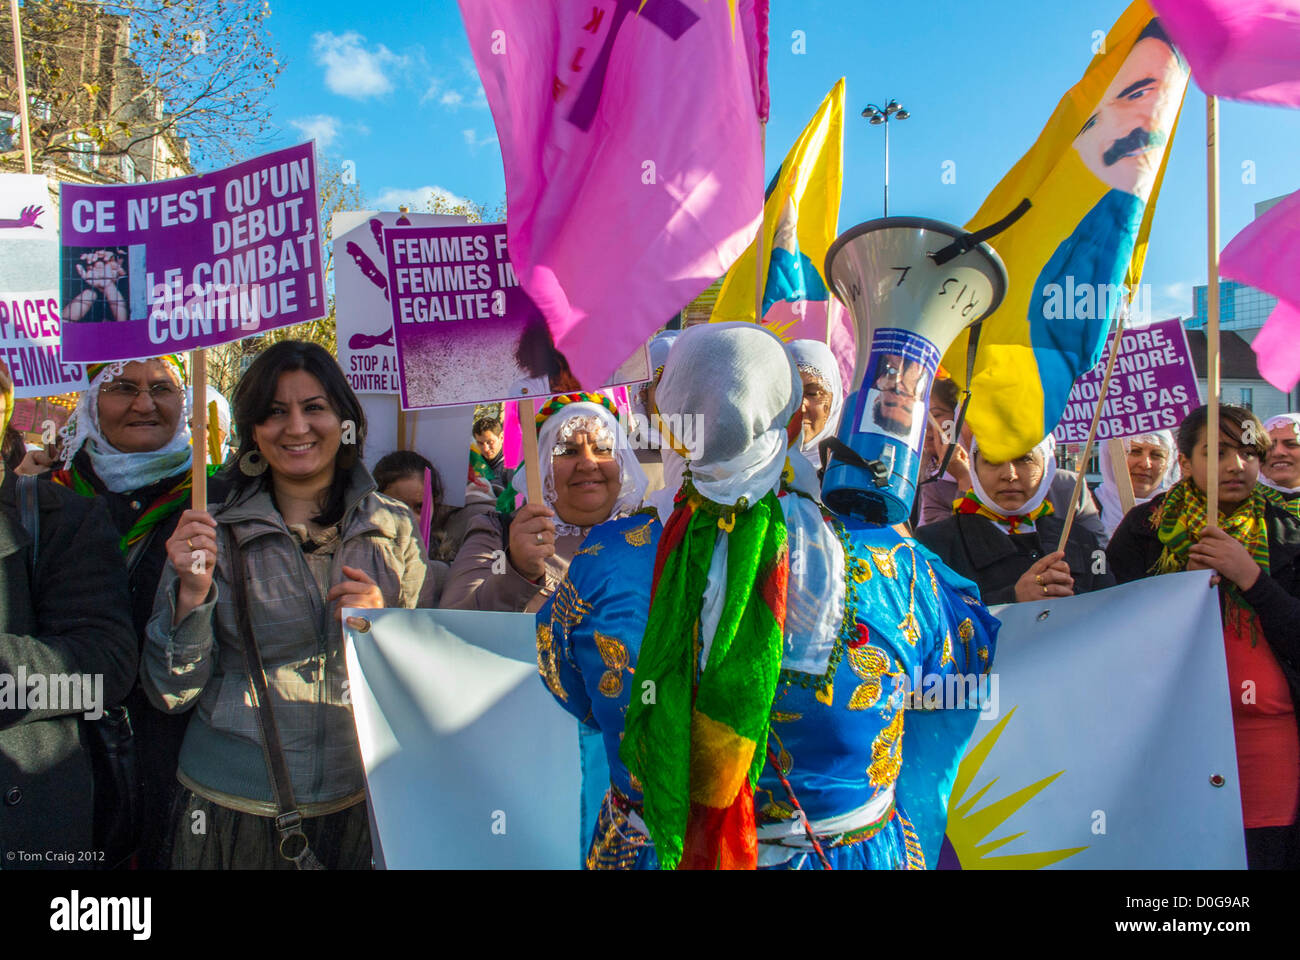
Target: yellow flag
x=800, y=221
x=1093, y=177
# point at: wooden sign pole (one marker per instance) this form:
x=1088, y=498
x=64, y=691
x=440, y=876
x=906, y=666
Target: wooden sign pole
x=1092, y=432
x=1119, y=467
x=1212, y=327
x=532, y=465
x=22, y=88
x=199, y=429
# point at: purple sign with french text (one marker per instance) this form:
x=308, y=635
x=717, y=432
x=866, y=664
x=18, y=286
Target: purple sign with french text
x=1153, y=387
x=155, y=268
x=465, y=331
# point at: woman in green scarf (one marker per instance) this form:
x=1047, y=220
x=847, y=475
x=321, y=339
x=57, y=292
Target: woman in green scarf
x=1253, y=551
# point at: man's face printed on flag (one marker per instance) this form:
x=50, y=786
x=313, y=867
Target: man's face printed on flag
x=1124, y=140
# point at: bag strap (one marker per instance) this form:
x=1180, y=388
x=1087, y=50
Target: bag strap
x=29, y=515
x=289, y=822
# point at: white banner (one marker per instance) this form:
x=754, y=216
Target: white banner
x=1113, y=727
x=364, y=317
x=1107, y=743
x=469, y=762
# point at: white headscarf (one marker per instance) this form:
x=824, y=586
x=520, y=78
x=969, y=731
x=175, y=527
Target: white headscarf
x=1044, y=452
x=1271, y=424
x=631, y=478
x=815, y=357
x=124, y=472
x=740, y=387
x=740, y=390
x=1112, y=511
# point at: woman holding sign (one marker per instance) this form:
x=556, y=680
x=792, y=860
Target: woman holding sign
x=251, y=602
x=1004, y=531
x=589, y=475
x=1253, y=550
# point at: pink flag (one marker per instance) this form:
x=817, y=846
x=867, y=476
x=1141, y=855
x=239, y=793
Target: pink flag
x=634, y=171
x=1239, y=49
x=1265, y=255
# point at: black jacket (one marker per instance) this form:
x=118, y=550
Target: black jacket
x=979, y=550
x=158, y=735
x=74, y=620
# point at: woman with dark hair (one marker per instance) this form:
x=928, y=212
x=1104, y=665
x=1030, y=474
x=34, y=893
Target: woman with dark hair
x=302, y=535
x=1253, y=551
x=400, y=475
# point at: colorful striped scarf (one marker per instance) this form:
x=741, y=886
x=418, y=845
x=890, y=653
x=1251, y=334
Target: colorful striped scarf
x=1179, y=520
x=1015, y=523
x=696, y=743
x=172, y=501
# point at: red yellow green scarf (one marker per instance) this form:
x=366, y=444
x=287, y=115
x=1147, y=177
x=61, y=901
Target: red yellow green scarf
x=696, y=743
x=162, y=507
x=1179, y=520
x=1014, y=523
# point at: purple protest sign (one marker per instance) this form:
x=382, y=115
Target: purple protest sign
x=465, y=330
x=1153, y=387
x=155, y=268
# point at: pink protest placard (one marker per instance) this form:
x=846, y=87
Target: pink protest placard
x=155, y=268
x=465, y=330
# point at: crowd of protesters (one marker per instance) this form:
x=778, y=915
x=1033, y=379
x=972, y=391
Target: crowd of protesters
x=195, y=621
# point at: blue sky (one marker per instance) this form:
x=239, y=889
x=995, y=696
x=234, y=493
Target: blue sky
x=390, y=86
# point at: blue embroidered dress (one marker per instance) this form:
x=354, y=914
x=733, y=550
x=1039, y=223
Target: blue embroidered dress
x=857, y=762
x=837, y=721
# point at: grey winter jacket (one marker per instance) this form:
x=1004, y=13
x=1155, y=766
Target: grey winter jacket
x=201, y=661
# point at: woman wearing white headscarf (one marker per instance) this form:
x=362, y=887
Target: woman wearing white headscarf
x=1151, y=460
x=823, y=395
x=589, y=476
x=1281, y=469
x=1004, y=532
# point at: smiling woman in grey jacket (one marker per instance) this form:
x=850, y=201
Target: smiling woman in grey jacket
x=314, y=537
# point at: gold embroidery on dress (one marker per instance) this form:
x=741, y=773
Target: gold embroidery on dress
x=966, y=630
x=984, y=658
x=590, y=551
x=614, y=655
x=946, y=656
x=887, y=753
x=776, y=810
x=569, y=608
x=869, y=663
x=546, y=662
x=639, y=536
x=784, y=761
x=934, y=583
x=908, y=625
x=779, y=717
x=885, y=561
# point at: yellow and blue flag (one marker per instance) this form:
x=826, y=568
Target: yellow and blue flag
x=800, y=220
x=1092, y=178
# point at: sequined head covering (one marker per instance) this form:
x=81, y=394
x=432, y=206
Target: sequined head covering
x=595, y=415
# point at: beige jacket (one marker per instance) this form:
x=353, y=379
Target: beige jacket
x=200, y=662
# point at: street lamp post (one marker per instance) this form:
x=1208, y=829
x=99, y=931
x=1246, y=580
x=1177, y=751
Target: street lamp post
x=878, y=116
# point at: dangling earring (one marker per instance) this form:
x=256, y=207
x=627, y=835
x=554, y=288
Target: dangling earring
x=252, y=464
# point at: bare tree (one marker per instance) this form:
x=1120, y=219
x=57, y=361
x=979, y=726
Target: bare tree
x=117, y=74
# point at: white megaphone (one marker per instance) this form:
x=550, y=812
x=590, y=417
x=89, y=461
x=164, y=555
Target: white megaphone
x=911, y=285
